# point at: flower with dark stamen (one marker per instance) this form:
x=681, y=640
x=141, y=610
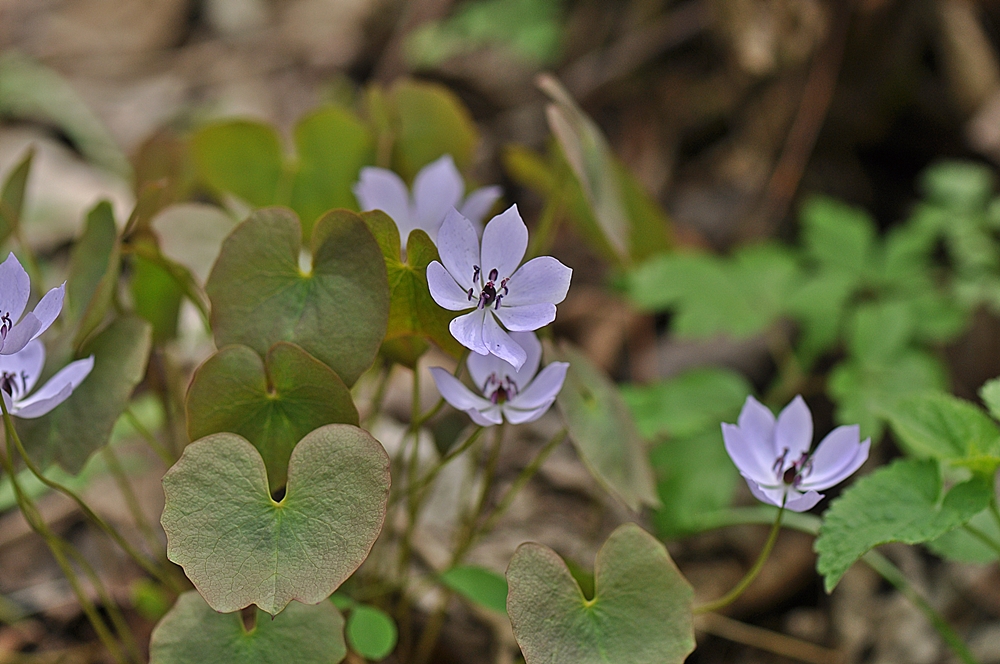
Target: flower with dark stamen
x=15, y=287
x=19, y=373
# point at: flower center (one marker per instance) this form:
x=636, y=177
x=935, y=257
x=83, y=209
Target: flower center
x=490, y=293
x=5, y=325
x=9, y=383
x=500, y=390
x=796, y=471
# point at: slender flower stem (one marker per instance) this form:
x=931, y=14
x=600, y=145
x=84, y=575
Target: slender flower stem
x=982, y=537
x=131, y=501
x=452, y=454
x=159, y=448
x=376, y=403
x=140, y=559
x=744, y=583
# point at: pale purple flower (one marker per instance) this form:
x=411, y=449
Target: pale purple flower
x=437, y=189
x=517, y=395
x=774, y=457
x=19, y=373
x=490, y=281
x=15, y=287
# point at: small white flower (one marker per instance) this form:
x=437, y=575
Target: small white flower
x=19, y=373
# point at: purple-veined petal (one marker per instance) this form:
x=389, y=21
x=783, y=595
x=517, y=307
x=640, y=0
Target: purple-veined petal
x=57, y=389
x=794, y=430
x=518, y=416
x=837, y=457
x=528, y=341
x=542, y=279
x=769, y=495
x=468, y=331
x=505, y=240
x=487, y=417
x=19, y=335
x=481, y=367
x=458, y=246
x=525, y=317
x=381, y=189
x=499, y=343
x=803, y=502
x=756, y=421
x=15, y=287
x=48, y=308
x=455, y=393
x=543, y=389
x=478, y=204
x=26, y=364
x=445, y=291
x=746, y=456
x=437, y=189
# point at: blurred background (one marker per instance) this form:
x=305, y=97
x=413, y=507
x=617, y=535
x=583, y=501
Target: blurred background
x=727, y=112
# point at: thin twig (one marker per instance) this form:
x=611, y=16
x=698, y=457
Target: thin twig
x=765, y=639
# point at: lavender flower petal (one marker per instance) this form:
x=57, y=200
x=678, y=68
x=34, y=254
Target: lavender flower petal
x=745, y=455
x=381, y=189
x=15, y=287
x=543, y=389
x=19, y=335
x=794, y=429
x=542, y=279
x=526, y=317
x=837, y=457
x=445, y=290
x=57, y=390
x=49, y=307
x=478, y=204
x=437, y=189
x=458, y=246
x=499, y=342
x=468, y=331
x=454, y=392
x=505, y=240
x=28, y=363
x=481, y=367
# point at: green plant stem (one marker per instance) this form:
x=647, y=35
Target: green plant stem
x=893, y=575
x=35, y=521
x=982, y=537
x=376, y=403
x=452, y=454
x=745, y=582
x=159, y=448
x=141, y=560
x=412, y=510
x=131, y=501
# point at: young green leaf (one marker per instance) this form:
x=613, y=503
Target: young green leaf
x=990, y=394
x=193, y=632
x=429, y=120
x=240, y=547
x=640, y=613
x=12, y=195
x=93, y=271
x=272, y=403
x=963, y=546
x=337, y=312
x=603, y=431
x=370, y=632
x=240, y=157
x=478, y=585
x=901, y=502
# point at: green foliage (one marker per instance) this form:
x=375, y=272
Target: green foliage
x=603, y=432
x=640, y=613
x=12, y=195
x=961, y=545
x=943, y=427
x=193, y=632
x=272, y=403
x=528, y=30
x=337, y=312
x=83, y=423
x=240, y=547
x=240, y=157
x=412, y=311
x=478, y=585
x=902, y=502
x=94, y=267
x=370, y=632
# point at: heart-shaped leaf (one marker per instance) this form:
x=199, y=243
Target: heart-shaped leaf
x=193, y=632
x=82, y=424
x=337, y=312
x=412, y=312
x=603, y=431
x=640, y=612
x=240, y=547
x=272, y=403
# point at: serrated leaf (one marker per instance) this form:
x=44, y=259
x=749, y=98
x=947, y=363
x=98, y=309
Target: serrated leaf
x=819, y=304
x=337, y=312
x=940, y=426
x=640, y=612
x=687, y=404
x=240, y=547
x=901, y=502
x=603, y=432
x=837, y=236
x=370, y=632
x=478, y=585
x=962, y=546
x=240, y=157
x=272, y=403
x=880, y=331
x=193, y=632
x=332, y=145
x=82, y=424
x=12, y=195
x=412, y=311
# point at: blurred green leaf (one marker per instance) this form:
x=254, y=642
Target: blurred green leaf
x=370, y=632
x=687, y=404
x=156, y=297
x=990, y=395
x=240, y=547
x=879, y=331
x=240, y=157
x=603, y=431
x=901, y=502
x=962, y=185
x=962, y=546
x=273, y=403
x=837, y=236
x=12, y=195
x=640, y=613
x=337, y=312
x=83, y=423
x=428, y=121
x=479, y=585
x=95, y=263
x=333, y=145
x=193, y=632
